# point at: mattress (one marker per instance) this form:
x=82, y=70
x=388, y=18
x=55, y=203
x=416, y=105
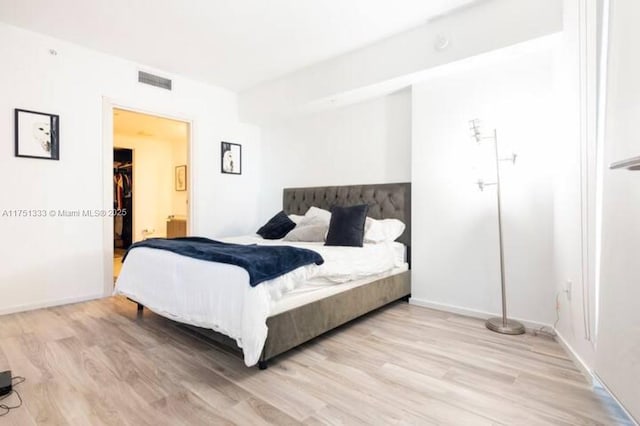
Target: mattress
x=218, y=296
x=312, y=291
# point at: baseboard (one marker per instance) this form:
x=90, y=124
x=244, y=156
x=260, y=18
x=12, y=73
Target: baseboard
x=530, y=326
x=600, y=383
x=591, y=377
x=49, y=303
x=582, y=366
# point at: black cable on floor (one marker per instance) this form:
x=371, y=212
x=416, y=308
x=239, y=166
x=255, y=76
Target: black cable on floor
x=7, y=408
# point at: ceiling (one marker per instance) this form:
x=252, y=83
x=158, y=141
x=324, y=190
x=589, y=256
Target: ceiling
x=231, y=43
x=138, y=125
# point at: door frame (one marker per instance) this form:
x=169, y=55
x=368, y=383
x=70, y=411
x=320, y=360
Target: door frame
x=108, y=107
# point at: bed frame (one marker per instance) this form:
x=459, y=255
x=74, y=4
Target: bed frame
x=299, y=325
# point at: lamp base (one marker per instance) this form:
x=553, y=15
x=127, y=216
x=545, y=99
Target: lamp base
x=504, y=327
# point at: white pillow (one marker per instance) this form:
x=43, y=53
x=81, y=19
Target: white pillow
x=383, y=230
x=296, y=218
x=325, y=215
x=310, y=229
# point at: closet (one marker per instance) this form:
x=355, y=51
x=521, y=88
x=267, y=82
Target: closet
x=122, y=198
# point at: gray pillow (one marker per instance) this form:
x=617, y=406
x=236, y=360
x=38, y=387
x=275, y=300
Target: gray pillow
x=310, y=229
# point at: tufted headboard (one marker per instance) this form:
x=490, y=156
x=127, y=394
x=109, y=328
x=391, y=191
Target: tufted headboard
x=386, y=201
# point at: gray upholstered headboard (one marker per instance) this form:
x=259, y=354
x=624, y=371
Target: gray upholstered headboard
x=386, y=201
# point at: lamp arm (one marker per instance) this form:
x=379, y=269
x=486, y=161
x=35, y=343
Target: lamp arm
x=511, y=158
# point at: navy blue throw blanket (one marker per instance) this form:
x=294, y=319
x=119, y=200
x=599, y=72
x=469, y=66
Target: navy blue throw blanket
x=263, y=263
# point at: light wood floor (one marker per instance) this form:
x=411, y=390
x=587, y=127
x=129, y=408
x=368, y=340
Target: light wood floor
x=96, y=363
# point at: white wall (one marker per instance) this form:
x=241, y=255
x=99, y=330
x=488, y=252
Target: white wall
x=618, y=345
x=179, y=199
x=486, y=26
x=369, y=142
x=50, y=260
x=455, y=240
x=154, y=196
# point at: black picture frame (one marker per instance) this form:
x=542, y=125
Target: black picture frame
x=37, y=134
x=230, y=158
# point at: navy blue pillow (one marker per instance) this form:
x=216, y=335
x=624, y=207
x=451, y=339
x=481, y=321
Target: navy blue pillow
x=347, y=226
x=277, y=227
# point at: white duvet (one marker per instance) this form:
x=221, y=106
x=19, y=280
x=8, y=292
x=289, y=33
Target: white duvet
x=218, y=296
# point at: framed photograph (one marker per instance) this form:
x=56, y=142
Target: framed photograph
x=181, y=178
x=231, y=158
x=37, y=135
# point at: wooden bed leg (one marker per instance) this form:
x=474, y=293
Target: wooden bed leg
x=140, y=308
x=262, y=365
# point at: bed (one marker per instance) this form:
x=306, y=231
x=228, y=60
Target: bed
x=268, y=320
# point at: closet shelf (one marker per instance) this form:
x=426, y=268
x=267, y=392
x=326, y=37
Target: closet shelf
x=632, y=163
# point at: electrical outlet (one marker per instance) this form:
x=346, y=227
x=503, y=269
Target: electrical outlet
x=567, y=288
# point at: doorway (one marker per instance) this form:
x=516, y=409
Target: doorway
x=150, y=179
x=122, y=205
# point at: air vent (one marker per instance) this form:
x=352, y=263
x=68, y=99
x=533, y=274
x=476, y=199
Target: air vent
x=154, y=80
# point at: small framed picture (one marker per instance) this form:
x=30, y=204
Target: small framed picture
x=231, y=158
x=37, y=135
x=181, y=178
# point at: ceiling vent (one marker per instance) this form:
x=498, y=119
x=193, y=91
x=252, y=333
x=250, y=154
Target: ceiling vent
x=154, y=80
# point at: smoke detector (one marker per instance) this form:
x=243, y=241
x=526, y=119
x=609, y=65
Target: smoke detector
x=441, y=43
